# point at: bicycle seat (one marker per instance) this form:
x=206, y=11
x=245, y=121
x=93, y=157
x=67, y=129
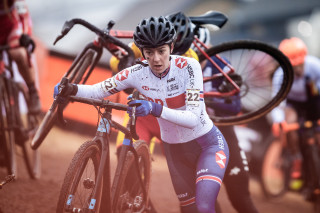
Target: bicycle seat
x=215, y=18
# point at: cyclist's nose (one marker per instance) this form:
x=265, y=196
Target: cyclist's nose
x=156, y=57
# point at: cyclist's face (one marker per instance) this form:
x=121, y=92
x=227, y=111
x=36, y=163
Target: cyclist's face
x=158, y=58
x=298, y=70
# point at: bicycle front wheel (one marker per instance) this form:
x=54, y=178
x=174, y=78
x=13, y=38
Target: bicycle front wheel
x=127, y=191
x=255, y=63
x=80, y=180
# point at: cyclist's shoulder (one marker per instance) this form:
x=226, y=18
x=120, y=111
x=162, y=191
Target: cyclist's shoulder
x=312, y=60
x=181, y=59
x=312, y=65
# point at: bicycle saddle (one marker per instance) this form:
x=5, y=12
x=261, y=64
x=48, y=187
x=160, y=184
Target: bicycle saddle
x=215, y=18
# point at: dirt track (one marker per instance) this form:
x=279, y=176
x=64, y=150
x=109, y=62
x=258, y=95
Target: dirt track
x=40, y=196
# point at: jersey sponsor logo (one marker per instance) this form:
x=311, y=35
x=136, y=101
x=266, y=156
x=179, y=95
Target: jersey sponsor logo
x=123, y=75
x=181, y=62
x=145, y=88
x=182, y=195
x=136, y=68
x=220, y=142
x=176, y=102
x=157, y=101
x=172, y=87
x=202, y=171
x=221, y=159
x=171, y=79
x=190, y=71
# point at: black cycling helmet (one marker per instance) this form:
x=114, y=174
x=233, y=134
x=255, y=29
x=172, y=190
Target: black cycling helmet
x=154, y=32
x=184, y=29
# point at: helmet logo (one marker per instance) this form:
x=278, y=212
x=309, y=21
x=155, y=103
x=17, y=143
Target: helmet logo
x=181, y=62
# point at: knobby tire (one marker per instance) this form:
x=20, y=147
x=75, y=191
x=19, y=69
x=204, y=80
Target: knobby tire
x=80, y=179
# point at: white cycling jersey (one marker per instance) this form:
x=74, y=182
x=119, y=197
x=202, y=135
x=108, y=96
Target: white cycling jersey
x=298, y=91
x=179, y=91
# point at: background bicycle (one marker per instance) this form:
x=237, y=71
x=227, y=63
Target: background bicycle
x=277, y=162
x=17, y=124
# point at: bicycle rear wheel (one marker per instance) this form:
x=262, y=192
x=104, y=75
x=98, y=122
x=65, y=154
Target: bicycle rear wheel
x=275, y=169
x=80, y=180
x=7, y=144
x=255, y=64
x=75, y=76
x=127, y=192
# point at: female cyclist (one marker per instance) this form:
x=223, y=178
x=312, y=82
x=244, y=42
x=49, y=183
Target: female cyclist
x=196, y=151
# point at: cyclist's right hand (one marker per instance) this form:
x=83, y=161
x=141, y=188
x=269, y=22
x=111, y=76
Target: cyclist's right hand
x=65, y=91
x=276, y=128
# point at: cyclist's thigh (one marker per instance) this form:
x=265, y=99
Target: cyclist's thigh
x=182, y=160
x=210, y=170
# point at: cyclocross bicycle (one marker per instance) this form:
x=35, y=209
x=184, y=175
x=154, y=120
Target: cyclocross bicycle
x=275, y=175
x=87, y=184
x=17, y=125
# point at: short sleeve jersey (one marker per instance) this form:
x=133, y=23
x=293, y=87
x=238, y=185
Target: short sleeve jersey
x=179, y=91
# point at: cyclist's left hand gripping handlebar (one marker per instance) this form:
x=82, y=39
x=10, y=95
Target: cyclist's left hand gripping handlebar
x=63, y=83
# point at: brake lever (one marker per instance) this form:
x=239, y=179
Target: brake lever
x=64, y=81
x=65, y=30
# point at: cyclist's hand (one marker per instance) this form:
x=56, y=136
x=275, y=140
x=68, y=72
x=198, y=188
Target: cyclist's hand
x=27, y=42
x=69, y=89
x=276, y=128
x=144, y=108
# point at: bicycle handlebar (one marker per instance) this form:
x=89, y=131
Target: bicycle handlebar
x=100, y=103
x=106, y=104
x=103, y=34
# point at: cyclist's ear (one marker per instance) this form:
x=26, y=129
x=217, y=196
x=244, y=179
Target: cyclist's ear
x=171, y=47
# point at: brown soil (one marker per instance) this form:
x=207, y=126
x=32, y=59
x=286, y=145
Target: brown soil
x=40, y=196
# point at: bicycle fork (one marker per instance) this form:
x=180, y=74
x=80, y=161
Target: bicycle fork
x=101, y=190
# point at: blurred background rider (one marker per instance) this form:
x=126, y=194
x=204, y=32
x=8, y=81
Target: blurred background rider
x=15, y=31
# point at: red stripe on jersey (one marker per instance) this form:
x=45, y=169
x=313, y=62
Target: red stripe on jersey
x=177, y=101
x=188, y=202
x=207, y=177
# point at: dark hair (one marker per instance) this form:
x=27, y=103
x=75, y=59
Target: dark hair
x=184, y=29
x=154, y=32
